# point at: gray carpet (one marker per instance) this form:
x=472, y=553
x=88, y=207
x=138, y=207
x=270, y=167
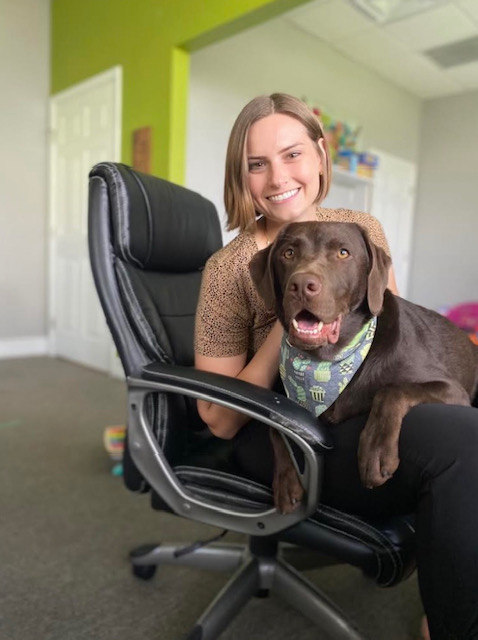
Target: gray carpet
x=67, y=525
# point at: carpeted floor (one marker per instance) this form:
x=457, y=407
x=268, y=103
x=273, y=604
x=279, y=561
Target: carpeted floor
x=67, y=525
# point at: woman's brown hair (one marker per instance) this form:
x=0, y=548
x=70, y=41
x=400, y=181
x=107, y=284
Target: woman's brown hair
x=237, y=198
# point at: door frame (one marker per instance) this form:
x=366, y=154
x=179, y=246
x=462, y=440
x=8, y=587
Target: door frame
x=114, y=75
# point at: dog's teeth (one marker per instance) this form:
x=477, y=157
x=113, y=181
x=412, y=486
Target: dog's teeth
x=314, y=332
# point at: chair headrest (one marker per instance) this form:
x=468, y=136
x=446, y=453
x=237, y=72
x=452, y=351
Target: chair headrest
x=158, y=225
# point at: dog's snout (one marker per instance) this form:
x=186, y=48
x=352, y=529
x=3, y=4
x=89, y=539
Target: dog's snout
x=305, y=284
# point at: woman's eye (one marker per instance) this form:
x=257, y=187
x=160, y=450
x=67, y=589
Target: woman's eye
x=294, y=154
x=288, y=254
x=343, y=253
x=256, y=166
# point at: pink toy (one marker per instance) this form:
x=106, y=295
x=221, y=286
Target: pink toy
x=465, y=316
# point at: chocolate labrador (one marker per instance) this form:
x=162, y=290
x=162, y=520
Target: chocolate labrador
x=328, y=285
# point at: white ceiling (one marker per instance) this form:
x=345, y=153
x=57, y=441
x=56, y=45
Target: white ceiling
x=395, y=48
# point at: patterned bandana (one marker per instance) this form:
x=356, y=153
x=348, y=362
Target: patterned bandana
x=316, y=384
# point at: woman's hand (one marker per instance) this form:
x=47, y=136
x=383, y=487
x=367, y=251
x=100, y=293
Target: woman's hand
x=261, y=370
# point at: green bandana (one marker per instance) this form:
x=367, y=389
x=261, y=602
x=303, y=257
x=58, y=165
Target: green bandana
x=316, y=385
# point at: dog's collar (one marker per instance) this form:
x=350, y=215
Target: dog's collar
x=363, y=337
x=316, y=384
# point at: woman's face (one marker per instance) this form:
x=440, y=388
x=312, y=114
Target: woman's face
x=283, y=169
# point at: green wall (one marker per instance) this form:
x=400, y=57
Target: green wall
x=151, y=39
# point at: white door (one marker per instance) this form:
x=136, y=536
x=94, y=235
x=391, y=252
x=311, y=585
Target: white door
x=393, y=203
x=85, y=129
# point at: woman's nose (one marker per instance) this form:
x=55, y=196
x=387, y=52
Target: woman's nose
x=277, y=175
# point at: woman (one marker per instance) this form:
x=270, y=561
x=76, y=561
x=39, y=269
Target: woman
x=278, y=171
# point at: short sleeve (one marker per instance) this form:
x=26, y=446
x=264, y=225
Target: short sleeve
x=375, y=231
x=222, y=327
x=365, y=220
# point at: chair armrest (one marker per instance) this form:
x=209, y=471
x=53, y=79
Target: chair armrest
x=257, y=402
x=261, y=404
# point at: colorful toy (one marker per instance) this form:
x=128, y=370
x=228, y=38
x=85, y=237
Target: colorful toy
x=465, y=316
x=342, y=140
x=113, y=440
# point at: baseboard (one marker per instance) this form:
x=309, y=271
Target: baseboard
x=23, y=347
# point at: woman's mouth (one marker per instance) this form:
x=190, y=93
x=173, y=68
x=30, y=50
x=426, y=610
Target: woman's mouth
x=281, y=197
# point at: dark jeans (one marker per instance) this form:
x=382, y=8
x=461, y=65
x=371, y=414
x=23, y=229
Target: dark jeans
x=437, y=480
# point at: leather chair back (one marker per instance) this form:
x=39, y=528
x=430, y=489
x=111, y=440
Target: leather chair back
x=149, y=241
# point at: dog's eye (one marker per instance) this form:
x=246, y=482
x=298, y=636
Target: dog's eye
x=288, y=253
x=343, y=253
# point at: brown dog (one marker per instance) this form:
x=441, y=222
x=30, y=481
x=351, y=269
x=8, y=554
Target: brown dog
x=326, y=281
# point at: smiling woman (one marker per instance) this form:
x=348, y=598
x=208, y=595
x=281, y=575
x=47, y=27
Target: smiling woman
x=284, y=167
x=276, y=147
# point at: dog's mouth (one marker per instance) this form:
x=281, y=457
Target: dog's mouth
x=308, y=330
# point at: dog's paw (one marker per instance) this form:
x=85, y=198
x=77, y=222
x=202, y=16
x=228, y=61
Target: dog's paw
x=288, y=490
x=377, y=458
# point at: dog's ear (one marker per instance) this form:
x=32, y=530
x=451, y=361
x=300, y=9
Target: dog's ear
x=261, y=272
x=379, y=267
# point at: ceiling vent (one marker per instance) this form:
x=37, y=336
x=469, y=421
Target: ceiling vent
x=384, y=11
x=454, y=54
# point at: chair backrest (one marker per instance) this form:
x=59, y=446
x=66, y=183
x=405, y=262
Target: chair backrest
x=149, y=240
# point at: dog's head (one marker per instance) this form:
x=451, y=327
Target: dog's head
x=323, y=279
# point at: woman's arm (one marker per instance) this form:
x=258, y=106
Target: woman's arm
x=261, y=370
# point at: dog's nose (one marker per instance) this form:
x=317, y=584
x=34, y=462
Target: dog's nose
x=305, y=284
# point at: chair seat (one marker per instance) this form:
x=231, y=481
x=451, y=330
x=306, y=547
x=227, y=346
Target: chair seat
x=383, y=549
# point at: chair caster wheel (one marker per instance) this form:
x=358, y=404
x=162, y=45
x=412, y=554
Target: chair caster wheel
x=144, y=572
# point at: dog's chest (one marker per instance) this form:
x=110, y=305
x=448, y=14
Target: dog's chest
x=315, y=384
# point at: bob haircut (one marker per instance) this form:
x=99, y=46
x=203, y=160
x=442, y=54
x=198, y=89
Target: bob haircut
x=237, y=197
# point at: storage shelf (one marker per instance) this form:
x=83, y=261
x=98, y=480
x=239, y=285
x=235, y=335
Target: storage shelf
x=339, y=174
x=349, y=191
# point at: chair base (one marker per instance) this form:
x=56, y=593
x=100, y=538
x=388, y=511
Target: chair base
x=259, y=569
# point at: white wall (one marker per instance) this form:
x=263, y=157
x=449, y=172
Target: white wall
x=24, y=75
x=445, y=252
x=279, y=57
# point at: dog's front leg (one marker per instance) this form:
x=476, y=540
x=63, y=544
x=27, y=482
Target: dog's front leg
x=378, y=447
x=288, y=490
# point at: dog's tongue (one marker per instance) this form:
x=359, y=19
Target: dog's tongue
x=307, y=323
x=310, y=330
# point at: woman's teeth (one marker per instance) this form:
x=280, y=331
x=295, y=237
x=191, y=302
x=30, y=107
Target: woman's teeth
x=283, y=196
x=317, y=329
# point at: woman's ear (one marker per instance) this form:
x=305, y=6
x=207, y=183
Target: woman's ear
x=322, y=154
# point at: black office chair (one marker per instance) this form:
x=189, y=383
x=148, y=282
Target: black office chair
x=149, y=240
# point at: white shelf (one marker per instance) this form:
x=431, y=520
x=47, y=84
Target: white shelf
x=349, y=191
x=339, y=174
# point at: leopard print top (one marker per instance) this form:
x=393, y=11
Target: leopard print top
x=231, y=318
